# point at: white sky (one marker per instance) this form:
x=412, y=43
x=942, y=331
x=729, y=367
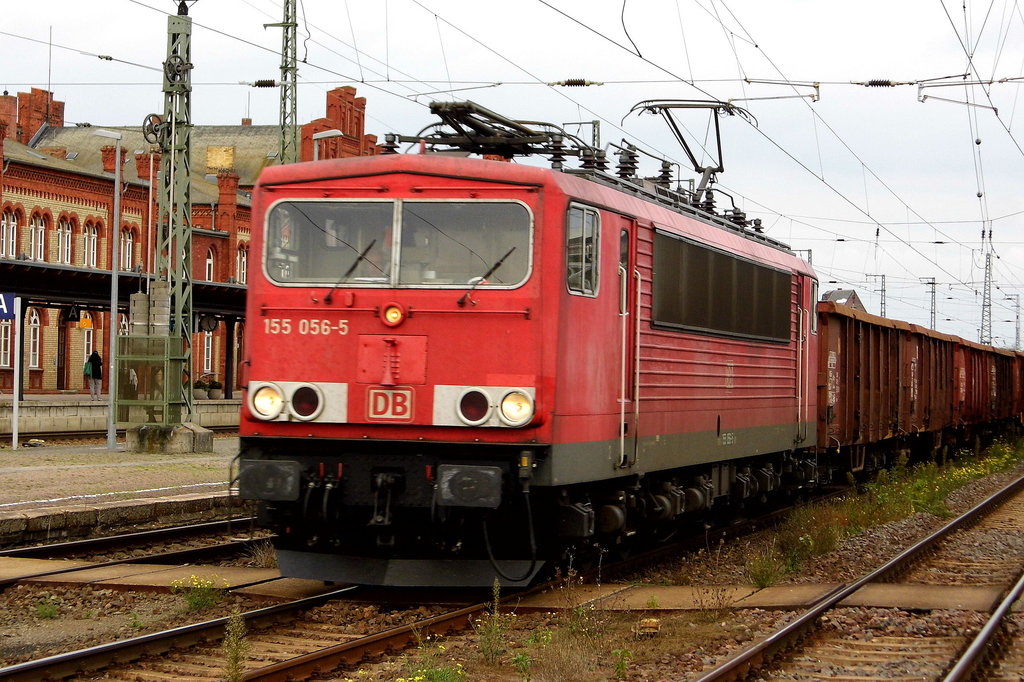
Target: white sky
x=815, y=173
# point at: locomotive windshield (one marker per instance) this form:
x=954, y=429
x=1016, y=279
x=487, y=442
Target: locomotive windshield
x=398, y=243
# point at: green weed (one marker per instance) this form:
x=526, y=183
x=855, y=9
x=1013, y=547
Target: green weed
x=236, y=647
x=47, y=609
x=199, y=593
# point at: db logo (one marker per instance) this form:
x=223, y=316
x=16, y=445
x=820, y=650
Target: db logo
x=390, y=404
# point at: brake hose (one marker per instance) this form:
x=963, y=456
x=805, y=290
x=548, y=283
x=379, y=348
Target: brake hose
x=533, y=545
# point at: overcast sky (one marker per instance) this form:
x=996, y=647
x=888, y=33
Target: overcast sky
x=825, y=176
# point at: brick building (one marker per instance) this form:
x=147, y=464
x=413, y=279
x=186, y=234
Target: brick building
x=56, y=216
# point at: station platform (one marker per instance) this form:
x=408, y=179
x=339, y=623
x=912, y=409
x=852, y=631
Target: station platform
x=54, y=492
x=45, y=413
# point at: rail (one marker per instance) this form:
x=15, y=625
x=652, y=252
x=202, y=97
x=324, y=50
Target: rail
x=756, y=656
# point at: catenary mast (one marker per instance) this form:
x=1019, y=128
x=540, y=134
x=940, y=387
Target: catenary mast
x=289, y=151
x=174, y=254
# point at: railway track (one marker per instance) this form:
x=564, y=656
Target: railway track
x=294, y=640
x=804, y=649
x=147, y=546
x=316, y=635
x=297, y=639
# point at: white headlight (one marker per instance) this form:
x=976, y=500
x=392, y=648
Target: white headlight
x=516, y=408
x=267, y=402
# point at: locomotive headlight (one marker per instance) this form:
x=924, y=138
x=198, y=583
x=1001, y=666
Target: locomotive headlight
x=474, y=407
x=393, y=315
x=306, y=402
x=516, y=408
x=267, y=401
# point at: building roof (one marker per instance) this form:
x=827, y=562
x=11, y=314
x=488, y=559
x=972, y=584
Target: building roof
x=847, y=297
x=23, y=154
x=244, y=149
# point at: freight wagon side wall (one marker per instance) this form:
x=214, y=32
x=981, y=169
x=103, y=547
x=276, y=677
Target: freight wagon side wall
x=1018, y=386
x=881, y=378
x=859, y=377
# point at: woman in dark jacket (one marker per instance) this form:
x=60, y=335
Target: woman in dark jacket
x=95, y=363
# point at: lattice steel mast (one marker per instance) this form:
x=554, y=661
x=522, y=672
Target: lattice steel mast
x=986, y=302
x=173, y=133
x=289, y=150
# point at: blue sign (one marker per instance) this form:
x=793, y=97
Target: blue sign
x=6, y=306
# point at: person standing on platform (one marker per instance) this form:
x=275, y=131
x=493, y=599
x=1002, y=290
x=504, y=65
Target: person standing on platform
x=94, y=371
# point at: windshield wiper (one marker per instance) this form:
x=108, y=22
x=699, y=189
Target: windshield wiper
x=483, y=277
x=359, y=259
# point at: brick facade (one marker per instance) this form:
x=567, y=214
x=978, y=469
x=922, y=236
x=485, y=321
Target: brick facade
x=62, y=198
x=346, y=113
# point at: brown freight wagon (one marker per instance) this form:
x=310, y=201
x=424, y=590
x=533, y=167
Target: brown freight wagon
x=987, y=392
x=1018, y=386
x=882, y=379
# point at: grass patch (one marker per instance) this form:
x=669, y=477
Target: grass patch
x=765, y=567
x=261, y=555
x=199, y=593
x=429, y=664
x=47, y=609
x=819, y=528
x=492, y=629
x=236, y=647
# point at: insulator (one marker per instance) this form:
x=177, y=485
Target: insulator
x=880, y=83
x=709, y=202
x=265, y=83
x=601, y=160
x=574, y=82
x=557, y=157
x=665, y=176
x=587, y=158
x=627, y=163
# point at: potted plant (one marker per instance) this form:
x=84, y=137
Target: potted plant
x=216, y=390
x=199, y=390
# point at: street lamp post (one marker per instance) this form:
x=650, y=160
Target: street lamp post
x=323, y=135
x=115, y=233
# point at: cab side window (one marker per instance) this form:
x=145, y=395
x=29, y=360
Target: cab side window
x=583, y=237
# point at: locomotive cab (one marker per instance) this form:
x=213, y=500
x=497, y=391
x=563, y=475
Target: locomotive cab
x=395, y=408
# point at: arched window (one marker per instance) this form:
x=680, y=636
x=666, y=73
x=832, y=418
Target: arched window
x=9, y=235
x=207, y=351
x=87, y=335
x=37, y=239
x=64, y=242
x=92, y=238
x=33, y=339
x=127, y=246
x=239, y=351
x=5, y=343
x=209, y=265
x=242, y=264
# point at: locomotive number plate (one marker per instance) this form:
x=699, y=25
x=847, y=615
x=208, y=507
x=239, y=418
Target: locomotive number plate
x=389, y=404
x=285, y=325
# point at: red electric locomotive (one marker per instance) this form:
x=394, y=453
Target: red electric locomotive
x=460, y=369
